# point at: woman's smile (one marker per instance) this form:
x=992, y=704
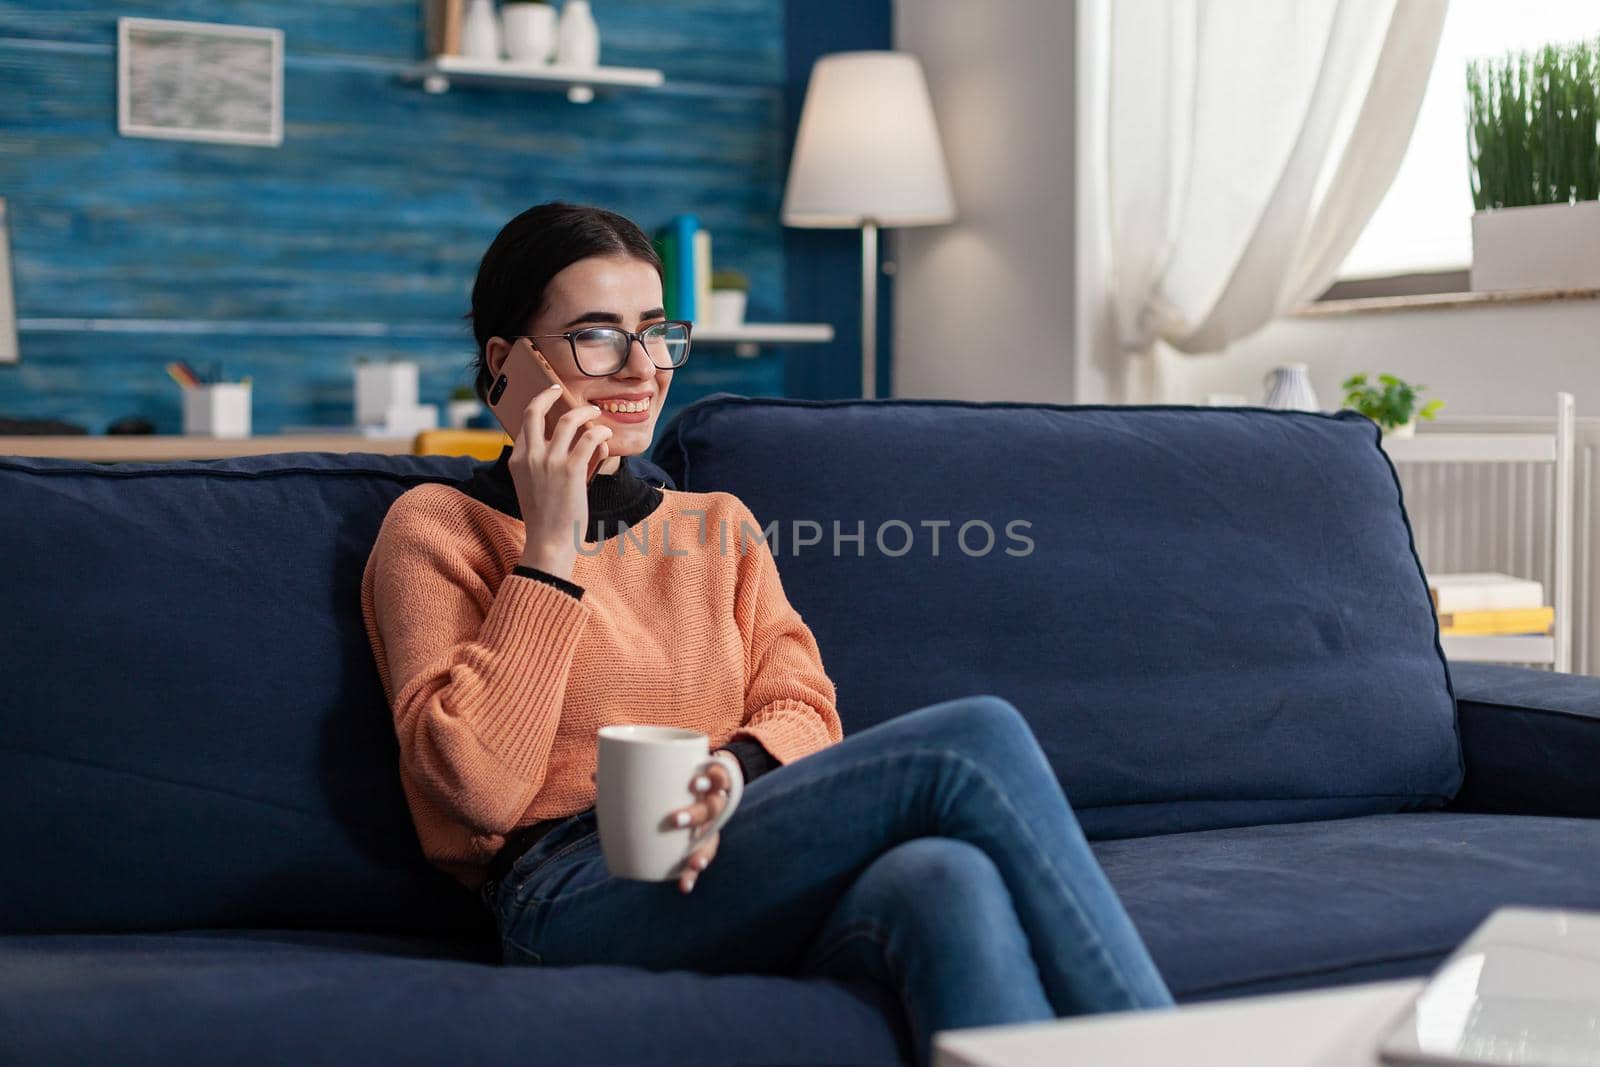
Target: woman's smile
x=625, y=411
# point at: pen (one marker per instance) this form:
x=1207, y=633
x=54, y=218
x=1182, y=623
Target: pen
x=182, y=375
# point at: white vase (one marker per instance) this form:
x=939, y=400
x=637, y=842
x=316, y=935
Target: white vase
x=480, y=31
x=529, y=30
x=578, y=38
x=1289, y=389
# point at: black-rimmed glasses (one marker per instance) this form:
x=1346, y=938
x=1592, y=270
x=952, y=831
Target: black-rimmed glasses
x=600, y=351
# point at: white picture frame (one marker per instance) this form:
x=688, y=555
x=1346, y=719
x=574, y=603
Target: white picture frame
x=199, y=81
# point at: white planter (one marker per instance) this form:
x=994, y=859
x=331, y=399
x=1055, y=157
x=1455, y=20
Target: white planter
x=529, y=31
x=458, y=412
x=1546, y=246
x=1408, y=429
x=408, y=420
x=727, y=308
x=380, y=385
x=221, y=409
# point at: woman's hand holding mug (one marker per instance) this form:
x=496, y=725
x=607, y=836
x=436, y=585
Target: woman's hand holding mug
x=643, y=771
x=714, y=786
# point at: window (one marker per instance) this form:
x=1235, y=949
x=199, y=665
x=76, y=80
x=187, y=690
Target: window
x=1424, y=224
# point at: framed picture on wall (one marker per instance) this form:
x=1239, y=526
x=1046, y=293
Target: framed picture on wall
x=199, y=81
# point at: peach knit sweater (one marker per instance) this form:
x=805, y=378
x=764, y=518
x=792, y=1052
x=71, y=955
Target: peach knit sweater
x=498, y=682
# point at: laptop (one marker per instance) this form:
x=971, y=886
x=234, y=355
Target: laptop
x=1523, y=990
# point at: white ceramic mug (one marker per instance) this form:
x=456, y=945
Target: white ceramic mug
x=643, y=774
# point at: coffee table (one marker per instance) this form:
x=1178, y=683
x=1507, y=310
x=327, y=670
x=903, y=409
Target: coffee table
x=1337, y=1027
x=1521, y=988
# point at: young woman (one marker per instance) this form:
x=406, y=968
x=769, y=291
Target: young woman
x=934, y=852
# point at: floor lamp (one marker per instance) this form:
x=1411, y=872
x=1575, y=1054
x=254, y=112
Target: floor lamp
x=867, y=154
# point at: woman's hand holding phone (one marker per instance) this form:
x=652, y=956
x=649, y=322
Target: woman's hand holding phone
x=551, y=478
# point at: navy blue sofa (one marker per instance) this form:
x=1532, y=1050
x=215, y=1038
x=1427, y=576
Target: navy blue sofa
x=1213, y=618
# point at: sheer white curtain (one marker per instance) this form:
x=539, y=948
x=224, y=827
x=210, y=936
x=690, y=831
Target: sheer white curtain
x=1246, y=144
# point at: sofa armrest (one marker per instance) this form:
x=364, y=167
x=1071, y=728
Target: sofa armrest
x=1530, y=739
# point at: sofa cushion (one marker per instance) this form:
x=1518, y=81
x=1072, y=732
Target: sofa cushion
x=278, y=996
x=1266, y=909
x=194, y=733
x=1212, y=617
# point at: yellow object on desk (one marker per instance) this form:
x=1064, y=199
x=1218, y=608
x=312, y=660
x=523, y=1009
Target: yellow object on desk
x=479, y=444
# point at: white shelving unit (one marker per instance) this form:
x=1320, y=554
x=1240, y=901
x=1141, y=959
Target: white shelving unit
x=1554, y=648
x=748, y=338
x=438, y=73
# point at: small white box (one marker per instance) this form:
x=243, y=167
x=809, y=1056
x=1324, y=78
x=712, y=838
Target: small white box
x=382, y=385
x=219, y=409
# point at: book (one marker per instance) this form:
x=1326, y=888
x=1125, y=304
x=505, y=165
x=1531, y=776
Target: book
x=442, y=26
x=702, y=272
x=683, y=229
x=666, y=243
x=1483, y=591
x=1515, y=621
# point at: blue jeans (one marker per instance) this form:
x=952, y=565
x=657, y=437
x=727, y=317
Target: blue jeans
x=934, y=853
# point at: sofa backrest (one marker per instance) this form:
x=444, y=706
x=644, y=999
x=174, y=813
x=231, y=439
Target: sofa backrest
x=192, y=729
x=1209, y=616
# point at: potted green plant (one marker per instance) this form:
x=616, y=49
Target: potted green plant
x=1391, y=407
x=729, y=293
x=1534, y=150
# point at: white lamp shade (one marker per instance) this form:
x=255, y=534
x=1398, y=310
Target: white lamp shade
x=868, y=147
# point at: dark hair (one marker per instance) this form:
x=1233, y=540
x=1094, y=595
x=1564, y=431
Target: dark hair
x=530, y=250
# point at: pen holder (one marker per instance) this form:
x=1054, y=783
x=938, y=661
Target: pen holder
x=220, y=409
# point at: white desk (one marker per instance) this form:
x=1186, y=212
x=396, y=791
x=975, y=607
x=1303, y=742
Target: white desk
x=163, y=448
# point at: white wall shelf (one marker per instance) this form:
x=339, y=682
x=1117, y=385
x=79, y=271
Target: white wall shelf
x=439, y=73
x=748, y=338
x=1557, y=448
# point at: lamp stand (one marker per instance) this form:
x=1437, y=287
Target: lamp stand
x=869, y=309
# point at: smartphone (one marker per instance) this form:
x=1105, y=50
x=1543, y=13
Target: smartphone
x=523, y=375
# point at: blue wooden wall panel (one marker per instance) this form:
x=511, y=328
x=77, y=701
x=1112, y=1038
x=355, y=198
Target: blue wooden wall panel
x=360, y=235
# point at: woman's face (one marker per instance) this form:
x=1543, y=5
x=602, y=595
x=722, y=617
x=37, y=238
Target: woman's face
x=604, y=291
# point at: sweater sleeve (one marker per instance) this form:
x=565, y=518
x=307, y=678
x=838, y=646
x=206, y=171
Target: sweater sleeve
x=475, y=676
x=564, y=584
x=754, y=761
x=789, y=698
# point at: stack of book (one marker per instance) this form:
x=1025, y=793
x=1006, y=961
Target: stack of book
x=685, y=250
x=1489, y=603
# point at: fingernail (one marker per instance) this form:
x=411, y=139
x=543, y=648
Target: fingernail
x=681, y=819
x=701, y=784
x=556, y=386
x=691, y=882
x=699, y=863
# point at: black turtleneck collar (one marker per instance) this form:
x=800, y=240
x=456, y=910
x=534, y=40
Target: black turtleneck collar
x=616, y=501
